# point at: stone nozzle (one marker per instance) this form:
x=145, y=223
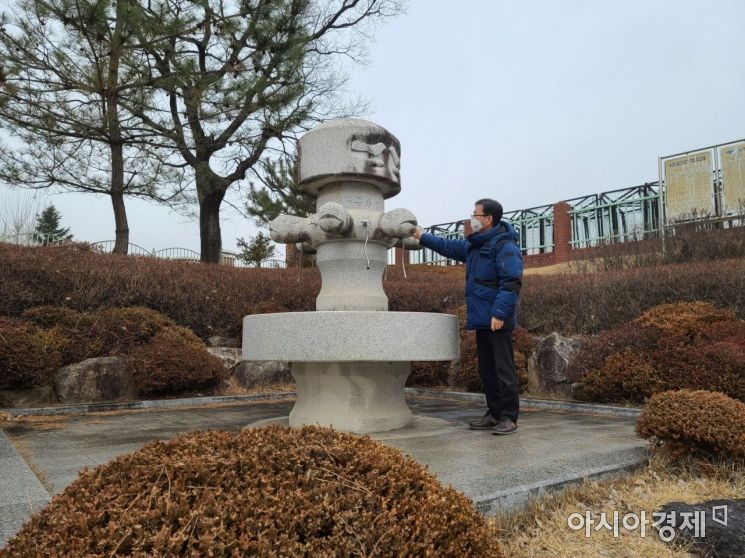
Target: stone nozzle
x=334, y=222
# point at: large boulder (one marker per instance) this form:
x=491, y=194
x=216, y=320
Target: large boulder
x=252, y=374
x=95, y=379
x=723, y=522
x=547, y=366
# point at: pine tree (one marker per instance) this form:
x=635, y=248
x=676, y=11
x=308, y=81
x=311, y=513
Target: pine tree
x=280, y=193
x=48, y=229
x=260, y=248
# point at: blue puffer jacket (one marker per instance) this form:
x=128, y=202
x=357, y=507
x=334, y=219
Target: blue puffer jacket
x=494, y=272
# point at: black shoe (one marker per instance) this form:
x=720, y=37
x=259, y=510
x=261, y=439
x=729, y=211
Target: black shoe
x=504, y=426
x=484, y=423
x=486, y=414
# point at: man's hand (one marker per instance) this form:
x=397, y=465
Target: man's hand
x=467, y=229
x=418, y=233
x=496, y=324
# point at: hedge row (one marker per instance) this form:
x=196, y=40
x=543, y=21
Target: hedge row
x=212, y=300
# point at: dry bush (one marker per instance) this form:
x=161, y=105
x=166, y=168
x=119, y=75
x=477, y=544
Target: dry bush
x=271, y=491
x=587, y=304
x=595, y=350
x=29, y=356
x=685, y=319
x=624, y=376
x=73, y=328
x=174, y=360
x=209, y=299
x=212, y=300
x=692, y=421
x=691, y=345
x=123, y=329
x=429, y=374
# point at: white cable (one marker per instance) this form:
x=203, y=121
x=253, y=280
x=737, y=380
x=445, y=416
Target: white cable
x=367, y=237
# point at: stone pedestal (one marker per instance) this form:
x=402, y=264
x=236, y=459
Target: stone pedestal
x=351, y=396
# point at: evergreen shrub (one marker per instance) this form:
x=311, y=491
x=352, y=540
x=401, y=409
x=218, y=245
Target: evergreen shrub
x=694, y=421
x=272, y=491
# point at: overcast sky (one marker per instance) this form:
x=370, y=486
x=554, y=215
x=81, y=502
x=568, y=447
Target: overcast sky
x=527, y=102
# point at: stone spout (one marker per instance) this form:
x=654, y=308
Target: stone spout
x=397, y=224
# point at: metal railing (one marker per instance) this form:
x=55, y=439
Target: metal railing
x=622, y=215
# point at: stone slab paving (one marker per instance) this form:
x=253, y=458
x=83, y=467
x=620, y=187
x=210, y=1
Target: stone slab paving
x=21, y=493
x=497, y=472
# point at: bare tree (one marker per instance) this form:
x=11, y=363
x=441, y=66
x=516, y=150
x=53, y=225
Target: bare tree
x=65, y=66
x=239, y=77
x=18, y=216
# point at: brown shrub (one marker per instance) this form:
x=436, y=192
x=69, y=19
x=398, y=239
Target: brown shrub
x=429, y=374
x=174, y=361
x=624, y=376
x=690, y=421
x=271, y=491
x=74, y=330
x=212, y=299
x=29, y=356
x=687, y=345
x=595, y=350
x=685, y=319
x=592, y=303
x=50, y=316
x=120, y=330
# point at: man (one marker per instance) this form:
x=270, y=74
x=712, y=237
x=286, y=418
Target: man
x=494, y=269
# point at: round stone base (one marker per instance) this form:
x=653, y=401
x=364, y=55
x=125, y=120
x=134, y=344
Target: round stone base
x=359, y=397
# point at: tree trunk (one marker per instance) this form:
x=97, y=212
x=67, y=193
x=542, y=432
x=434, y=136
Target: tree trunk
x=209, y=226
x=121, y=245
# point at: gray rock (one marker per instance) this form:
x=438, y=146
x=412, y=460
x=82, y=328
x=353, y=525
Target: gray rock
x=719, y=540
x=253, y=374
x=218, y=341
x=229, y=356
x=32, y=397
x=547, y=366
x=95, y=379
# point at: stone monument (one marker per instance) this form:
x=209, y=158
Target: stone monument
x=351, y=357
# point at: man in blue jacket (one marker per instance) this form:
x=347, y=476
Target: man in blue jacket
x=494, y=270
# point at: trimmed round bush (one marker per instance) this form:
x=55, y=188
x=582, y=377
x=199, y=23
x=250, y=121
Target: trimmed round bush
x=693, y=421
x=271, y=491
x=175, y=360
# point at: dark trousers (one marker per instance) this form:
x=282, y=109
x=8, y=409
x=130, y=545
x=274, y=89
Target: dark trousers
x=497, y=370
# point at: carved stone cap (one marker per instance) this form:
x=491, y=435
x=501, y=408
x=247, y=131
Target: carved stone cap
x=350, y=149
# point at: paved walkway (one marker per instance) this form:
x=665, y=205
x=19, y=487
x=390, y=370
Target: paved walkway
x=41, y=457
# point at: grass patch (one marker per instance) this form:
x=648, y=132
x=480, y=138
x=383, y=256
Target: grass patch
x=541, y=529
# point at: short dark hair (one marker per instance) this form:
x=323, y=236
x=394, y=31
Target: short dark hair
x=491, y=207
